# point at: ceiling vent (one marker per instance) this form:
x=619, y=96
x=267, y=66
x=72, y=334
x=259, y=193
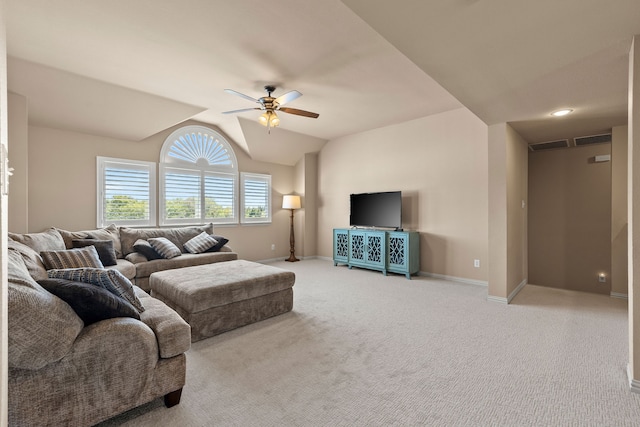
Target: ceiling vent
x=563, y=143
x=593, y=139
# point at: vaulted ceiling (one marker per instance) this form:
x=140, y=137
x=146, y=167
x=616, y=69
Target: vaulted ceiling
x=129, y=69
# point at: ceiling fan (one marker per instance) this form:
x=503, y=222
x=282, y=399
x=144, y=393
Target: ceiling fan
x=269, y=105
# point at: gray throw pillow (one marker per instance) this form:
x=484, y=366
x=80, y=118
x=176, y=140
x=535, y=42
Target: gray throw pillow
x=200, y=243
x=105, y=249
x=165, y=247
x=72, y=258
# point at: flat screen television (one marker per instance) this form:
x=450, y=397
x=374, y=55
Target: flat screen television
x=382, y=210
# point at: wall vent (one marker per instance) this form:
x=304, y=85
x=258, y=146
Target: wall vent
x=593, y=139
x=563, y=143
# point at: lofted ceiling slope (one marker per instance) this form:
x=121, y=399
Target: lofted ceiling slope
x=132, y=69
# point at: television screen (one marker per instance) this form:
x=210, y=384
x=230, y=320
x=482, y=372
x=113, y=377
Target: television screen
x=376, y=210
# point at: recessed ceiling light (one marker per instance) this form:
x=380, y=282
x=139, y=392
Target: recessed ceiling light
x=561, y=113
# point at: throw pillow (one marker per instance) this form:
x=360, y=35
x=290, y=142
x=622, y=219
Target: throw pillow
x=111, y=280
x=71, y=258
x=200, y=243
x=105, y=249
x=146, y=249
x=221, y=242
x=164, y=247
x=90, y=302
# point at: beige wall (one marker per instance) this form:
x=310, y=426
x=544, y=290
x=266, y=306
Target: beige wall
x=18, y=153
x=517, y=213
x=306, y=219
x=440, y=165
x=508, y=198
x=570, y=218
x=619, y=229
x=62, y=186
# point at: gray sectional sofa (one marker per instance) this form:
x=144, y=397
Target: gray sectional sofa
x=67, y=370
x=134, y=265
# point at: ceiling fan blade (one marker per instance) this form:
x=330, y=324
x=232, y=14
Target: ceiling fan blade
x=241, y=110
x=299, y=112
x=288, y=97
x=241, y=95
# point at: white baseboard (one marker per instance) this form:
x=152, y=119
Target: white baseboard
x=634, y=385
x=453, y=278
x=507, y=300
x=618, y=295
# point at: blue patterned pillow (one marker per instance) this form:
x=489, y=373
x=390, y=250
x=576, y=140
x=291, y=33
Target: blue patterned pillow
x=111, y=280
x=164, y=247
x=200, y=243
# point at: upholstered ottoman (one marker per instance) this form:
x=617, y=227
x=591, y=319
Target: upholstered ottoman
x=215, y=298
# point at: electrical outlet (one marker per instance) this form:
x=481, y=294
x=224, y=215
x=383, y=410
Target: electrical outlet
x=273, y=246
x=602, y=278
x=476, y=263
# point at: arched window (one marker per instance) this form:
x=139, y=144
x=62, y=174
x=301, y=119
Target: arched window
x=198, y=178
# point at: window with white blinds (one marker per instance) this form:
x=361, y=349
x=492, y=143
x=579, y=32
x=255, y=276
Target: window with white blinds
x=198, y=178
x=181, y=195
x=220, y=197
x=256, y=198
x=126, y=192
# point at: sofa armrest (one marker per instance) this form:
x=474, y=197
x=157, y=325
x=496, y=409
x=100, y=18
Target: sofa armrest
x=172, y=332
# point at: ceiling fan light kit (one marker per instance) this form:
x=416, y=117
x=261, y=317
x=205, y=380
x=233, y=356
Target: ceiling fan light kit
x=269, y=105
x=269, y=119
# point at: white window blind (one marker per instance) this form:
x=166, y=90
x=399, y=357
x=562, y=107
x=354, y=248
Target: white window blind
x=198, y=178
x=256, y=198
x=220, y=196
x=181, y=192
x=126, y=192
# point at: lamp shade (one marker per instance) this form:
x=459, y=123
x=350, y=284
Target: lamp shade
x=291, y=202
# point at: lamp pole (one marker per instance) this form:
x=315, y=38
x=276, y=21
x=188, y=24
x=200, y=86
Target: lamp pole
x=292, y=243
x=291, y=202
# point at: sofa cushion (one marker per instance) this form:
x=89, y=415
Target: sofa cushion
x=145, y=249
x=172, y=332
x=42, y=327
x=92, y=303
x=127, y=268
x=49, y=240
x=71, y=258
x=107, y=233
x=145, y=269
x=32, y=259
x=105, y=249
x=164, y=247
x=178, y=236
x=111, y=280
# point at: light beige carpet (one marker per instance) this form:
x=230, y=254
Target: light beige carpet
x=362, y=349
